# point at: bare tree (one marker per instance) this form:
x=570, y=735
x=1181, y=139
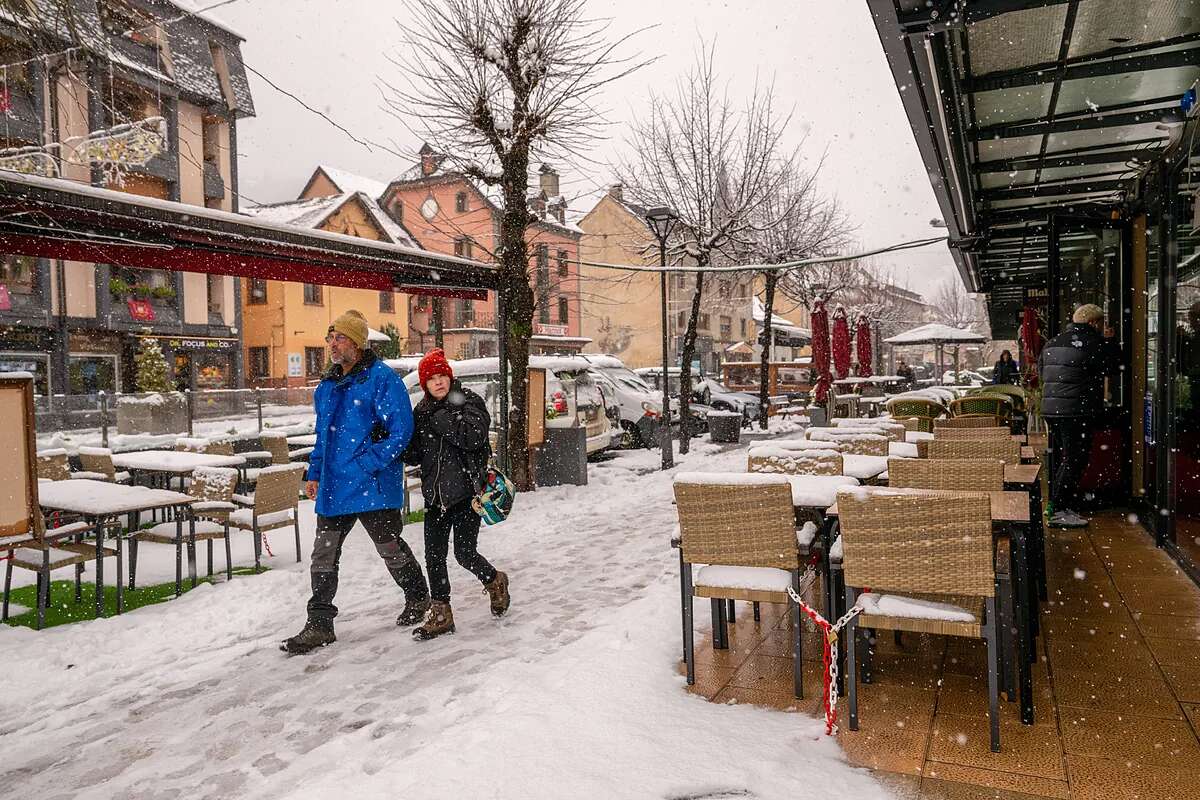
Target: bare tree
x=953, y=306
x=711, y=161
x=494, y=85
x=793, y=223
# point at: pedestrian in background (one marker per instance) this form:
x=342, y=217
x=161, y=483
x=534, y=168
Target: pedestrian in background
x=450, y=443
x=1006, y=370
x=1073, y=367
x=356, y=474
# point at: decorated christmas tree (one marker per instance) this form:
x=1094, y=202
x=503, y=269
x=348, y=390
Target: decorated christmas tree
x=151, y=367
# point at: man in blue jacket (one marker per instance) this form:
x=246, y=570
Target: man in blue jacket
x=356, y=474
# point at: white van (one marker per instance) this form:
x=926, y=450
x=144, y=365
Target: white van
x=573, y=400
x=639, y=406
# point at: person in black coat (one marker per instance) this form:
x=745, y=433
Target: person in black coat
x=1073, y=367
x=450, y=444
x=1006, y=370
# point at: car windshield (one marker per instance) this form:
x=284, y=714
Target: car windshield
x=625, y=377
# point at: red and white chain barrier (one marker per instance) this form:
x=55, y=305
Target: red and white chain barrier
x=266, y=544
x=830, y=655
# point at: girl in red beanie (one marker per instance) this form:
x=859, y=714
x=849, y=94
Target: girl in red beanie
x=450, y=444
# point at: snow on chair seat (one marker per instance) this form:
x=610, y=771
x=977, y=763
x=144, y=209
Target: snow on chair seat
x=164, y=532
x=244, y=518
x=60, y=556
x=712, y=581
x=923, y=613
x=737, y=521
x=817, y=491
x=88, y=476
x=864, y=467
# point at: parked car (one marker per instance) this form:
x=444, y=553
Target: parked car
x=640, y=411
x=716, y=396
x=965, y=377
x=573, y=398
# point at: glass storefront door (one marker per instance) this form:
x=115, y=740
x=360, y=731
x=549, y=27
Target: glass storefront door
x=1089, y=267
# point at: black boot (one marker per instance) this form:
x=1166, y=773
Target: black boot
x=414, y=611
x=314, y=635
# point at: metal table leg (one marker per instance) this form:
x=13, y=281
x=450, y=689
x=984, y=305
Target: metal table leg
x=98, y=525
x=120, y=569
x=179, y=556
x=1022, y=597
x=191, y=547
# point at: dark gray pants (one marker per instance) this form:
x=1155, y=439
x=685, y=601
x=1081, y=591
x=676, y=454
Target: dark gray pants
x=384, y=527
x=1070, y=448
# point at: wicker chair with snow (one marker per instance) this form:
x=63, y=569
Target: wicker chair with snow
x=53, y=465
x=742, y=529
x=1006, y=450
x=1020, y=417
x=53, y=549
x=998, y=407
x=769, y=459
x=213, y=489
x=921, y=409
x=959, y=434
x=853, y=442
x=893, y=430
x=928, y=563
x=99, y=460
x=273, y=506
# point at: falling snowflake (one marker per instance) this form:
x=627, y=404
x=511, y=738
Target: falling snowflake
x=1079, y=574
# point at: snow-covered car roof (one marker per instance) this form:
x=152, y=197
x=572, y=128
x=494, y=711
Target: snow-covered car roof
x=469, y=367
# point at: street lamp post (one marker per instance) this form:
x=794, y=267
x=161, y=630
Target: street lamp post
x=661, y=220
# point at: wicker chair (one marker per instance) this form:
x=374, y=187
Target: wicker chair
x=893, y=430
x=1020, y=417
x=213, y=489
x=273, y=506
x=948, y=474
x=853, y=442
x=923, y=410
x=276, y=445
x=913, y=552
x=99, y=460
x=963, y=422
x=997, y=406
x=778, y=460
x=52, y=549
x=959, y=434
x=1006, y=450
x=744, y=532
x=53, y=465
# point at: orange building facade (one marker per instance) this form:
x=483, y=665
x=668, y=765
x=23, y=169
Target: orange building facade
x=447, y=212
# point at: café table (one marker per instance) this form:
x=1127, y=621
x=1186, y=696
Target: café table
x=1010, y=513
x=152, y=465
x=100, y=503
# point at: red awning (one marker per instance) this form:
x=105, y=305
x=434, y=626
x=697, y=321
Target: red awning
x=54, y=218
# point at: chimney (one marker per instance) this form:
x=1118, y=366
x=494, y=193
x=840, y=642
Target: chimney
x=548, y=181
x=429, y=160
x=557, y=207
x=617, y=192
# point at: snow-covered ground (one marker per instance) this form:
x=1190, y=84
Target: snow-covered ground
x=575, y=693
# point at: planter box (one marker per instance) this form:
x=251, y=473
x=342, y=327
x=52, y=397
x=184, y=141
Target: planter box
x=562, y=458
x=153, y=414
x=725, y=427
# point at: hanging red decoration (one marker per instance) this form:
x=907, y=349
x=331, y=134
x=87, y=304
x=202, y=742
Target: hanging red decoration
x=862, y=346
x=1031, y=347
x=820, y=351
x=841, y=342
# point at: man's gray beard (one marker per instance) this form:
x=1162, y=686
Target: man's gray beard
x=335, y=358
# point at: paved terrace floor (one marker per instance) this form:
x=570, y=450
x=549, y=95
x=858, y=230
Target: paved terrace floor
x=1117, y=692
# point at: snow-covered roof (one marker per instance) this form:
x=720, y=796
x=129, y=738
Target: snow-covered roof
x=936, y=333
x=759, y=313
x=313, y=212
x=348, y=182
x=197, y=9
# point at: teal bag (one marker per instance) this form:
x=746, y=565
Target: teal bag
x=495, y=499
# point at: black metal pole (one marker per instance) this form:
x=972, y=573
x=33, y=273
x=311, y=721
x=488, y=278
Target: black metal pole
x=668, y=455
x=502, y=358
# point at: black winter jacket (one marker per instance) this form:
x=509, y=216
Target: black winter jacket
x=450, y=445
x=1073, y=366
x=1006, y=372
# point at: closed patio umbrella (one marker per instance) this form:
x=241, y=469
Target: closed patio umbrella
x=862, y=346
x=820, y=351
x=841, y=342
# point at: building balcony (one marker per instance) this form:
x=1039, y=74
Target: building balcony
x=162, y=166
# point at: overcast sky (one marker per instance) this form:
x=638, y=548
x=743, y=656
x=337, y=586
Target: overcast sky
x=825, y=58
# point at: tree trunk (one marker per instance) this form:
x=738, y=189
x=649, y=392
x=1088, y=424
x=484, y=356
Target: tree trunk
x=513, y=261
x=685, y=367
x=764, y=370
x=439, y=323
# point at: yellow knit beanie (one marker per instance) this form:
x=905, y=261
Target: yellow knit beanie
x=353, y=326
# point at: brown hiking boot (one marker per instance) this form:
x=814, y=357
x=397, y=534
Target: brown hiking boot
x=438, y=620
x=414, y=611
x=498, y=592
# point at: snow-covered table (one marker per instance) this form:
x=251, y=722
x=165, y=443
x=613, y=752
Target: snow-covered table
x=159, y=466
x=101, y=502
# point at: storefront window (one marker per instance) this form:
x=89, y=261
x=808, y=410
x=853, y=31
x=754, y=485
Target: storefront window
x=37, y=364
x=18, y=274
x=88, y=374
x=1090, y=271
x=213, y=370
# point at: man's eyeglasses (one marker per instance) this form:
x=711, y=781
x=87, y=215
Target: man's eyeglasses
x=336, y=337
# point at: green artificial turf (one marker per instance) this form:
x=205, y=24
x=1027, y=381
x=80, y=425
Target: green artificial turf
x=415, y=516
x=63, y=609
